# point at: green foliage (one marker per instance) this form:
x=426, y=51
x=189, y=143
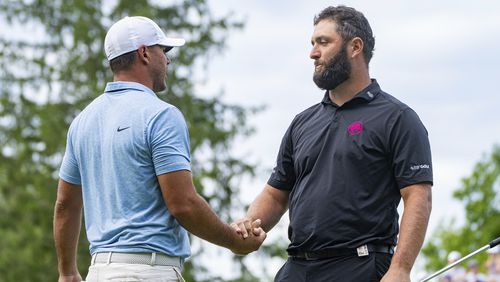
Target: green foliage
x=480, y=195
x=52, y=65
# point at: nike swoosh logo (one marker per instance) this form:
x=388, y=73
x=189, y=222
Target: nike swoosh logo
x=121, y=129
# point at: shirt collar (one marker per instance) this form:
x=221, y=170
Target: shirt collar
x=120, y=86
x=367, y=94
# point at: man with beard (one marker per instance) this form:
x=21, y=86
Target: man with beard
x=127, y=166
x=344, y=165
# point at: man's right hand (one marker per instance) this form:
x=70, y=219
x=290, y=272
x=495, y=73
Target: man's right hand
x=245, y=226
x=253, y=241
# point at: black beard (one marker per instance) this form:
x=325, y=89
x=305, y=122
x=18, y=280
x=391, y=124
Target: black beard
x=336, y=71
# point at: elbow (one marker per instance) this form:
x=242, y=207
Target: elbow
x=182, y=208
x=62, y=208
x=179, y=212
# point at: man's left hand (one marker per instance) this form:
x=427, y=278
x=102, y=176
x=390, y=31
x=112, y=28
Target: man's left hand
x=394, y=275
x=70, y=278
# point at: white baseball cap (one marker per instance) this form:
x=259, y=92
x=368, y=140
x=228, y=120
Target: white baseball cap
x=127, y=34
x=494, y=250
x=454, y=255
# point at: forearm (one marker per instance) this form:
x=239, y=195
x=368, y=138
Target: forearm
x=199, y=219
x=269, y=207
x=67, y=224
x=417, y=209
x=194, y=214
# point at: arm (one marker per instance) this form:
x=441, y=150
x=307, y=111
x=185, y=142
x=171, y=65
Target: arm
x=194, y=214
x=269, y=207
x=67, y=224
x=417, y=200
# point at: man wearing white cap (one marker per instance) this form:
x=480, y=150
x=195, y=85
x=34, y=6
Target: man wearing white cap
x=127, y=167
x=458, y=273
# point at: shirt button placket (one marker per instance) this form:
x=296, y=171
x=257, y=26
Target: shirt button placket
x=335, y=119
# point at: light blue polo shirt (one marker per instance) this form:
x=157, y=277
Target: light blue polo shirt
x=115, y=149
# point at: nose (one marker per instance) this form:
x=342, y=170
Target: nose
x=168, y=59
x=315, y=53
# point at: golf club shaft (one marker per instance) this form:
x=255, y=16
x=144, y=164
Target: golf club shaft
x=489, y=245
x=455, y=263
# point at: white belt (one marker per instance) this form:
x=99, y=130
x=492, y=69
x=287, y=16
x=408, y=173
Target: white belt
x=137, y=258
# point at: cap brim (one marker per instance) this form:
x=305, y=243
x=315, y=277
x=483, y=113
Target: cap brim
x=172, y=42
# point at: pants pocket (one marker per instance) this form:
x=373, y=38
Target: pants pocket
x=382, y=263
x=179, y=275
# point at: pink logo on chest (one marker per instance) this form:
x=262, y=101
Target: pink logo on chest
x=355, y=128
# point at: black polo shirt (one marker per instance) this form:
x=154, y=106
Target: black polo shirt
x=344, y=167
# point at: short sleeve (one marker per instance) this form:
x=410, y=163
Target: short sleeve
x=168, y=138
x=283, y=175
x=411, y=153
x=69, y=170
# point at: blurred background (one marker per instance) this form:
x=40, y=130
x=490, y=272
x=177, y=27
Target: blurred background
x=243, y=75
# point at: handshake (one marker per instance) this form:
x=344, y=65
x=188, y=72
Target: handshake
x=249, y=236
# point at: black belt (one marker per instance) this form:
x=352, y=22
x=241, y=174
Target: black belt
x=361, y=251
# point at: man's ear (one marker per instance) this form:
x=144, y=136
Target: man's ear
x=144, y=54
x=356, y=47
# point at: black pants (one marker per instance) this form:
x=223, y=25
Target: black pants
x=338, y=269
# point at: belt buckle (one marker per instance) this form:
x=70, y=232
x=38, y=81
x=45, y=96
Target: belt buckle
x=362, y=251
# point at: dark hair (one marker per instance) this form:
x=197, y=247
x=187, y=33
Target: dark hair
x=350, y=24
x=122, y=62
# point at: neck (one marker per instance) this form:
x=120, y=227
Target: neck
x=134, y=76
x=349, y=88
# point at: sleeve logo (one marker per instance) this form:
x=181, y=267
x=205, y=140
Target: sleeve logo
x=417, y=167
